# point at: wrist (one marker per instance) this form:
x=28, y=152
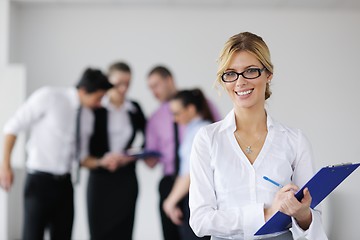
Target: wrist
x=168, y=207
x=169, y=203
x=172, y=199
x=268, y=212
x=98, y=163
x=305, y=216
x=304, y=220
x=5, y=164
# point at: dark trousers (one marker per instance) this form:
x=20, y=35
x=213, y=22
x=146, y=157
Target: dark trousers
x=48, y=204
x=170, y=230
x=111, y=202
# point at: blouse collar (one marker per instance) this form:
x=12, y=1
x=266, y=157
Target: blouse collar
x=229, y=122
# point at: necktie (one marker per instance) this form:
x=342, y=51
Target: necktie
x=176, y=153
x=76, y=167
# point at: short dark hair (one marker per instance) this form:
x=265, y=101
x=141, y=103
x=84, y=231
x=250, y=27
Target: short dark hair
x=161, y=70
x=120, y=66
x=93, y=80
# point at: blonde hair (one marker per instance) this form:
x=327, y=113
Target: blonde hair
x=250, y=43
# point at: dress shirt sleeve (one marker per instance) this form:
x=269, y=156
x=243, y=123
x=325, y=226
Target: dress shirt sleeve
x=205, y=217
x=32, y=110
x=303, y=170
x=315, y=231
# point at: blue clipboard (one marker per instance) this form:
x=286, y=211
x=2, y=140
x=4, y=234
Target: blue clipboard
x=145, y=154
x=320, y=186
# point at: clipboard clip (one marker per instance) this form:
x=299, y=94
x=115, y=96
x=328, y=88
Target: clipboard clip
x=340, y=165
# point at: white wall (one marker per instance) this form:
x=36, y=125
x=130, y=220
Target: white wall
x=4, y=29
x=12, y=92
x=315, y=86
x=4, y=9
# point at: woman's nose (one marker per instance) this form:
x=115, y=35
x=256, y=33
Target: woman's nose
x=241, y=81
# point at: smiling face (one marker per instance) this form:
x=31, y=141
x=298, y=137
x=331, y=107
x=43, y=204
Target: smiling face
x=247, y=93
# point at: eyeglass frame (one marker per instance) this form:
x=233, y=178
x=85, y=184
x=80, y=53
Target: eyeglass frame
x=242, y=74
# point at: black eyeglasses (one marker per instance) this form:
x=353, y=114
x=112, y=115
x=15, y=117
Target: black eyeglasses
x=250, y=73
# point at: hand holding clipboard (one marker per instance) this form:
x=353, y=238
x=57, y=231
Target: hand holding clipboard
x=320, y=186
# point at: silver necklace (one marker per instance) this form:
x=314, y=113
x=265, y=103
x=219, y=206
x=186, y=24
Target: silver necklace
x=248, y=149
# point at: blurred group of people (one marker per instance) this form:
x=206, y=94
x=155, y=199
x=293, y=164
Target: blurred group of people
x=93, y=126
x=212, y=170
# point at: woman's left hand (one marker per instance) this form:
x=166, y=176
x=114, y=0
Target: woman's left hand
x=173, y=212
x=286, y=202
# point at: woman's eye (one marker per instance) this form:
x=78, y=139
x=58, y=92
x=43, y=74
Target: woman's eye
x=252, y=70
x=230, y=74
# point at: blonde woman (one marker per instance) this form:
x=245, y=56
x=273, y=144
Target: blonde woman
x=229, y=199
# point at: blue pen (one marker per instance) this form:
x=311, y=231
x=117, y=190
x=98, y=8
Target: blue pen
x=273, y=182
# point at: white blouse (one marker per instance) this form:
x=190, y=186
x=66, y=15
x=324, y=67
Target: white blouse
x=119, y=124
x=228, y=194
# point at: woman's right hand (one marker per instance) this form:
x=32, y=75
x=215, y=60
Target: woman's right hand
x=172, y=211
x=281, y=197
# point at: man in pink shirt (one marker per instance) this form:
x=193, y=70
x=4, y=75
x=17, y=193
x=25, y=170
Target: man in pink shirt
x=164, y=136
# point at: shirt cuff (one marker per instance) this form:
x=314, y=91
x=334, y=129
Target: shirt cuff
x=10, y=128
x=315, y=230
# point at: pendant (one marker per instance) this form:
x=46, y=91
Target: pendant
x=248, y=150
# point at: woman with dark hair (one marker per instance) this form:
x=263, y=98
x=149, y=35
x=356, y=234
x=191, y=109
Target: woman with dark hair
x=112, y=186
x=189, y=108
